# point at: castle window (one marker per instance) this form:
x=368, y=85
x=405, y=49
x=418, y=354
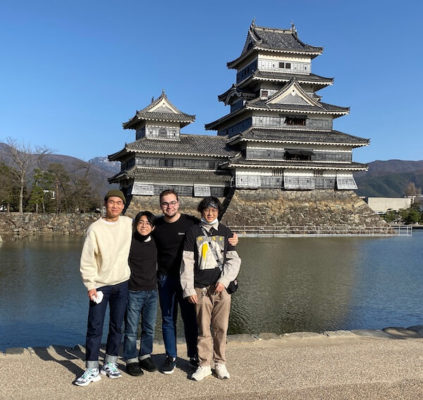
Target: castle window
x=162, y=132
x=288, y=65
x=281, y=65
x=264, y=94
x=298, y=154
x=295, y=121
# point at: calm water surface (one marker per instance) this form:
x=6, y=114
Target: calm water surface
x=286, y=285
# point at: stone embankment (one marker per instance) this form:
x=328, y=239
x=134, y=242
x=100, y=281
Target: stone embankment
x=271, y=207
x=327, y=208
x=255, y=208
x=15, y=225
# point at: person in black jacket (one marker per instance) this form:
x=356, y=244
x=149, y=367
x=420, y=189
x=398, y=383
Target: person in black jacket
x=209, y=264
x=142, y=301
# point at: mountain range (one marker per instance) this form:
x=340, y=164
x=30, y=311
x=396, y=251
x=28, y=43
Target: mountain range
x=97, y=169
x=383, y=179
x=389, y=178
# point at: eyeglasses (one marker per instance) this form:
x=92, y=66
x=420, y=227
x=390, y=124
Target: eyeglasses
x=144, y=223
x=171, y=203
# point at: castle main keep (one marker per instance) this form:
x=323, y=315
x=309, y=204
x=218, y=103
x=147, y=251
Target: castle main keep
x=276, y=144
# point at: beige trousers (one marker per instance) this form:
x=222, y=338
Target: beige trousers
x=212, y=319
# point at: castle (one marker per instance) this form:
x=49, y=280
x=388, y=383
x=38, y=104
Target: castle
x=276, y=144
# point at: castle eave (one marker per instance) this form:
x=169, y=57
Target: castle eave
x=354, y=145
x=176, y=153
x=118, y=155
x=299, y=136
x=215, y=124
x=180, y=175
x=299, y=110
x=235, y=63
x=298, y=165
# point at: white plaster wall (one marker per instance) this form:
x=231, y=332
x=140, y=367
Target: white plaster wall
x=383, y=204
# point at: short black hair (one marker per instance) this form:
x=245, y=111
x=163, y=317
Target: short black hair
x=166, y=192
x=150, y=218
x=209, y=201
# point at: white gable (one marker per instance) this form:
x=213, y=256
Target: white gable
x=292, y=94
x=164, y=106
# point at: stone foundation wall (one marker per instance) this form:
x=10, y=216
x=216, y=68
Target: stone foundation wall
x=188, y=205
x=300, y=208
x=267, y=207
x=262, y=207
x=22, y=225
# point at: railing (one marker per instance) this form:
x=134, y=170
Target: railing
x=311, y=230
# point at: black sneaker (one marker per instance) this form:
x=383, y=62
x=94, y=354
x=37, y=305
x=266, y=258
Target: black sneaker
x=148, y=364
x=169, y=365
x=194, y=361
x=134, y=369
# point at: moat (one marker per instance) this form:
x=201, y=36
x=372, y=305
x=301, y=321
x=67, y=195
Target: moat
x=286, y=285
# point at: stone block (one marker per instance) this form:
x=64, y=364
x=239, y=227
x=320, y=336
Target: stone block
x=302, y=335
x=417, y=328
x=17, y=351
x=339, y=334
x=376, y=333
x=401, y=333
x=268, y=336
x=242, y=338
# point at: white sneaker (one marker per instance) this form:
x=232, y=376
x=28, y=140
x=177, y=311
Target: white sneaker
x=110, y=369
x=221, y=371
x=90, y=375
x=201, y=373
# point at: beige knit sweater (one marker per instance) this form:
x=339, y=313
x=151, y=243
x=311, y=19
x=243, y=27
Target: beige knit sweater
x=104, y=258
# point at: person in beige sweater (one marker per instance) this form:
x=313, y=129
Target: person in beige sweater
x=105, y=273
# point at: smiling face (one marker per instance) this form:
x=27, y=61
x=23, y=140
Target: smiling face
x=169, y=205
x=144, y=227
x=210, y=214
x=114, y=207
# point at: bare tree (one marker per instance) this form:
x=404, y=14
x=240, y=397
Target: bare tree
x=412, y=190
x=23, y=158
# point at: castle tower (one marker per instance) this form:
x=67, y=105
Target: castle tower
x=162, y=158
x=277, y=121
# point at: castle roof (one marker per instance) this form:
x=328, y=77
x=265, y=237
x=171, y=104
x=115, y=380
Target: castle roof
x=274, y=40
x=295, y=165
x=275, y=76
x=262, y=105
x=190, y=145
x=161, y=110
x=171, y=175
x=290, y=99
x=297, y=136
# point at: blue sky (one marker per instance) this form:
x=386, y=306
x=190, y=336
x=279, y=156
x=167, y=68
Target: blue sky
x=72, y=71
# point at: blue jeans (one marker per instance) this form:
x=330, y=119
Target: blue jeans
x=170, y=293
x=142, y=304
x=116, y=296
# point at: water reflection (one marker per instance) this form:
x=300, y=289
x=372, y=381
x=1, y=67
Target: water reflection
x=293, y=284
x=286, y=285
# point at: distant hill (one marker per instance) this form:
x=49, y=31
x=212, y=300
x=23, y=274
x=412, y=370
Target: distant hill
x=112, y=167
x=389, y=178
x=383, y=179
x=99, y=168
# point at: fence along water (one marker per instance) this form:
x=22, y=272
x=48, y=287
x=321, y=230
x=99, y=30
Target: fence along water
x=321, y=231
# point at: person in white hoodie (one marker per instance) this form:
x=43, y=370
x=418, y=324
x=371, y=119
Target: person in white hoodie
x=209, y=264
x=105, y=273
